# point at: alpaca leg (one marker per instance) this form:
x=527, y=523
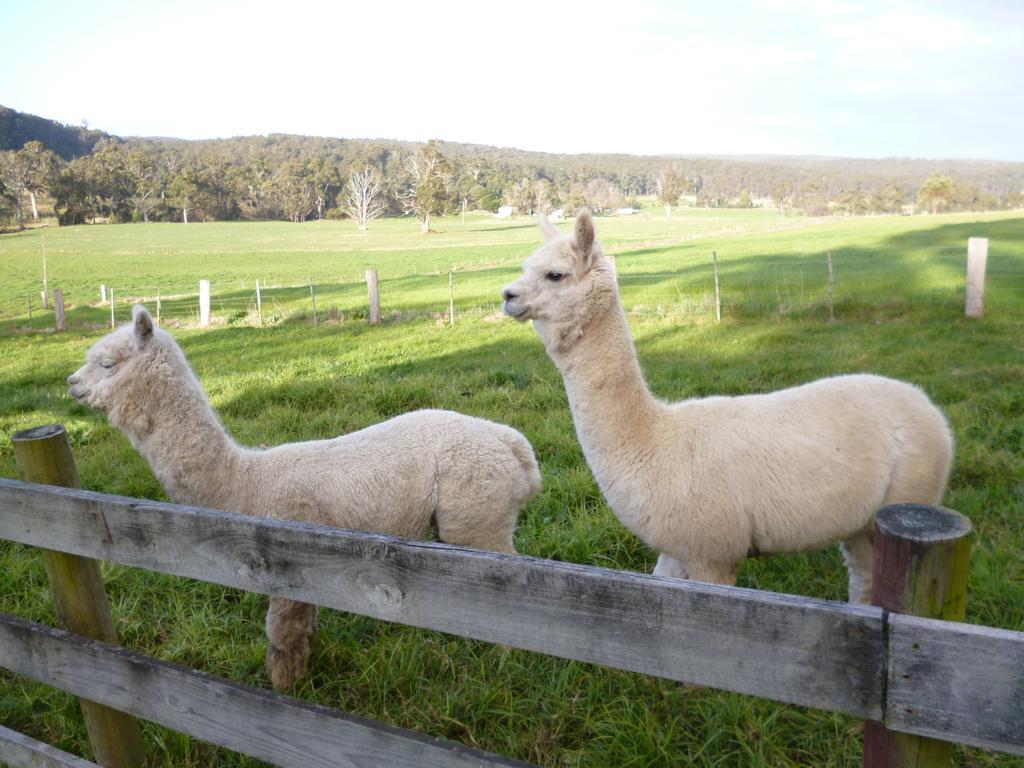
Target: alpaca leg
x=712, y=573
x=669, y=567
x=858, y=552
x=489, y=526
x=289, y=627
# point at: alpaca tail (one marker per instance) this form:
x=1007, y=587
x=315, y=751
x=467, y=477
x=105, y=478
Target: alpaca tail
x=523, y=452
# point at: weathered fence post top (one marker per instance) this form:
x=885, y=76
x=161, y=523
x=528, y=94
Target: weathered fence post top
x=38, y=433
x=922, y=523
x=43, y=455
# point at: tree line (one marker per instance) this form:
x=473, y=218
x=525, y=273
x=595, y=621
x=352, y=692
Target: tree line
x=298, y=178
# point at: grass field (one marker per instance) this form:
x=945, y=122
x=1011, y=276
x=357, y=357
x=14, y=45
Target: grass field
x=899, y=307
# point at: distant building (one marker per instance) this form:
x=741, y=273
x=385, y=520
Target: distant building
x=505, y=212
x=625, y=211
x=556, y=215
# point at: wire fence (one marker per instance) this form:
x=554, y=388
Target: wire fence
x=749, y=287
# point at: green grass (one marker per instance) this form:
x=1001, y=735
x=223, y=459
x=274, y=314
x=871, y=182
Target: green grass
x=899, y=295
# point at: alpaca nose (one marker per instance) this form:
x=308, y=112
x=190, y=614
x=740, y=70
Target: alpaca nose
x=73, y=379
x=507, y=295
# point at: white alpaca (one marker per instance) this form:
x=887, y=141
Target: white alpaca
x=708, y=482
x=470, y=475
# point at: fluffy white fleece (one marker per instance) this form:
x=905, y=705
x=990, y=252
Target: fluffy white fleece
x=471, y=476
x=707, y=482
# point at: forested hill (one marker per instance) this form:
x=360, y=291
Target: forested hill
x=301, y=177
x=65, y=141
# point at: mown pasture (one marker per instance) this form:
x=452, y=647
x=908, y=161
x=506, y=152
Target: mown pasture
x=899, y=312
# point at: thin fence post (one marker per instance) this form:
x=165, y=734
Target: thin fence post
x=451, y=293
x=112, y=308
x=158, y=306
x=718, y=293
x=831, y=285
x=312, y=298
x=30, y=311
x=58, y=309
x=977, y=255
x=103, y=294
x=259, y=305
x=921, y=559
x=43, y=455
x=204, y=303
x=371, y=284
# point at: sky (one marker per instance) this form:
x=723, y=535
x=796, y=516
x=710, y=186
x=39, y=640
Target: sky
x=857, y=79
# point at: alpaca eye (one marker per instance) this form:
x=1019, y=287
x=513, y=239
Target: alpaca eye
x=106, y=365
x=555, y=277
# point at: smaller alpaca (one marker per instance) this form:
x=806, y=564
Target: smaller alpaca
x=470, y=475
x=710, y=481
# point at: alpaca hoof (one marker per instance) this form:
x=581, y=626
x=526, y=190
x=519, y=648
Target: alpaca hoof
x=284, y=668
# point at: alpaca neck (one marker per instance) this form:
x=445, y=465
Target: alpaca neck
x=189, y=451
x=613, y=410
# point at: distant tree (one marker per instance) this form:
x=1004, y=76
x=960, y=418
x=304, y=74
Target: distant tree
x=293, y=189
x=936, y=192
x=15, y=177
x=602, y=195
x=813, y=199
x=853, y=202
x=326, y=179
x=671, y=186
x=6, y=207
x=888, y=198
x=429, y=176
x=41, y=167
x=73, y=201
x=364, y=201
x=782, y=195
x=543, y=195
x=140, y=167
x=184, y=190
x=520, y=196
x=744, y=199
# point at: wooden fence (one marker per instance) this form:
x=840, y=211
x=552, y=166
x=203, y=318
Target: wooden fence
x=937, y=679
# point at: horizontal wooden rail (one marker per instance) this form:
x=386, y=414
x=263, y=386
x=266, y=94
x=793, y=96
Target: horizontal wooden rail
x=798, y=650
x=258, y=723
x=20, y=751
x=956, y=682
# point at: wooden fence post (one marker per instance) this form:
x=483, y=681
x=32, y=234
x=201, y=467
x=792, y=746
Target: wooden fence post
x=718, y=293
x=103, y=294
x=371, y=282
x=43, y=455
x=30, y=311
x=977, y=255
x=58, y=309
x=921, y=559
x=259, y=305
x=312, y=298
x=451, y=288
x=204, y=303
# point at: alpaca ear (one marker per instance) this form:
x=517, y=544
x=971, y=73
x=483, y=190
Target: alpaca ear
x=550, y=233
x=585, y=237
x=143, y=325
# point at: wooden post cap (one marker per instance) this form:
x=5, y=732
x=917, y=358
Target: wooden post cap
x=922, y=523
x=38, y=433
